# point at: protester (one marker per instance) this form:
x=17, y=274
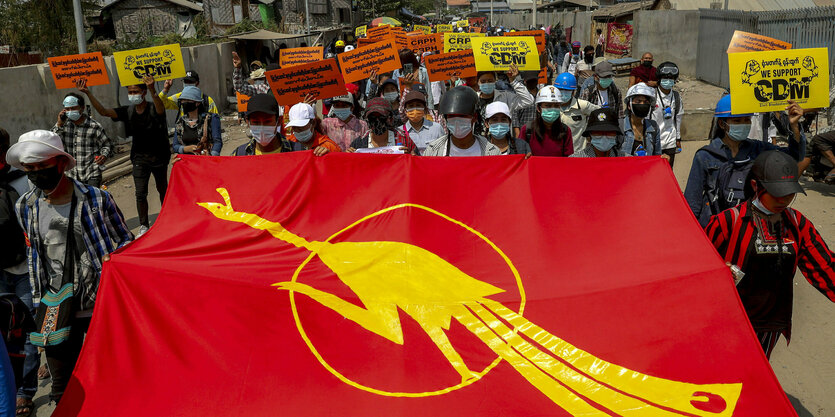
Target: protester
x=641, y=136
x=574, y=112
x=412, y=72
x=571, y=58
x=516, y=99
x=150, y=151
x=668, y=110
x=547, y=134
x=344, y=127
x=459, y=106
x=305, y=130
x=562, y=51
x=716, y=180
x=14, y=269
x=768, y=240
x=259, y=78
x=497, y=124
x=600, y=44
x=191, y=79
x=526, y=114
x=84, y=139
x=603, y=92
x=379, y=115
x=644, y=73
x=584, y=66
x=196, y=131
x=61, y=262
x=262, y=117
x=420, y=130
x=820, y=150
x=603, y=133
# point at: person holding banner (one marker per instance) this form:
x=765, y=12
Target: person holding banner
x=497, y=125
x=459, y=106
x=344, y=127
x=716, y=176
x=419, y=129
x=641, y=135
x=192, y=79
x=547, y=135
x=196, y=131
x=84, y=139
x=150, y=150
x=265, y=127
x=382, y=134
x=603, y=133
x=306, y=130
x=768, y=241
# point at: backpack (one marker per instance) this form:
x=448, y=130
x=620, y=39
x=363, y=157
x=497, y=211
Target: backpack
x=726, y=187
x=13, y=244
x=15, y=323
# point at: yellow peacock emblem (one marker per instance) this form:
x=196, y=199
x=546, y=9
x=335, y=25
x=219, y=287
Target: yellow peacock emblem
x=387, y=276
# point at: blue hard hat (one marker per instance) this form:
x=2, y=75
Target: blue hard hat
x=723, y=109
x=566, y=81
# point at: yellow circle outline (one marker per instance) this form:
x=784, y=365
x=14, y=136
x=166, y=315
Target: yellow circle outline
x=348, y=381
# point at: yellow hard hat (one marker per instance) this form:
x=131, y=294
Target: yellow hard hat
x=340, y=43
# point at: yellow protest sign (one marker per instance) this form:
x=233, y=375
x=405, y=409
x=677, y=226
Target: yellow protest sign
x=458, y=41
x=765, y=81
x=162, y=62
x=462, y=23
x=360, y=31
x=425, y=29
x=498, y=53
x=443, y=28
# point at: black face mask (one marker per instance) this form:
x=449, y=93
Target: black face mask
x=378, y=125
x=588, y=58
x=646, y=63
x=640, y=110
x=45, y=179
x=189, y=107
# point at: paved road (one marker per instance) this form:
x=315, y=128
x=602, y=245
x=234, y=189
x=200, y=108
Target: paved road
x=804, y=368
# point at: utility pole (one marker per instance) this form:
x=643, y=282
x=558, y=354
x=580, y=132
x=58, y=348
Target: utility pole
x=491, y=13
x=79, y=27
x=533, y=13
x=306, y=16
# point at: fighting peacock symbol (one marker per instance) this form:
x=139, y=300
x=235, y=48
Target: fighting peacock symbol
x=387, y=276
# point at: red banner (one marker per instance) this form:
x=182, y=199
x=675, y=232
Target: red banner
x=618, y=38
x=419, y=294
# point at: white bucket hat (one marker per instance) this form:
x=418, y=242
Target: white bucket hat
x=37, y=146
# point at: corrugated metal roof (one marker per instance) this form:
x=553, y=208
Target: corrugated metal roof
x=484, y=6
x=620, y=9
x=183, y=3
x=750, y=5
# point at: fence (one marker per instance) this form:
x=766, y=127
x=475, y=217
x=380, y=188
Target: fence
x=803, y=28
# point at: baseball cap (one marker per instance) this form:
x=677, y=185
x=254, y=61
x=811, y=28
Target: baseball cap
x=604, y=69
x=347, y=98
x=262, y=103
x=415, y=95
x=387, y=82
x=777, y=172
x=378, y=105
x=602, y=120
x=37, y=146
x=301, y=114
x=191, y=77
x=496, y=107
x=576, y=44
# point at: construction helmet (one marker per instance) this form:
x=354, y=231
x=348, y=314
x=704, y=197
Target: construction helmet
x=566, y=81
x=640, y=89
x=548, y=94
x=340, y=43
x=723, y=109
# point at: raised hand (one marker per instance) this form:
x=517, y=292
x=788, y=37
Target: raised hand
x=236, y=60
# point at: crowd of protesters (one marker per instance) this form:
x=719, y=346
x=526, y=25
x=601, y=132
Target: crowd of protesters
x=740, y=186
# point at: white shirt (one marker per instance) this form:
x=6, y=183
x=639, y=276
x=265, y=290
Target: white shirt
x=473, y=150
x=438, y=88
x=580, y=110
x=669, y=128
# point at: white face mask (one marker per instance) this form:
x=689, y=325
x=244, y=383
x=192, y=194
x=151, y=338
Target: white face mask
x=135, y=98
x=262, y=134
x=459, y=127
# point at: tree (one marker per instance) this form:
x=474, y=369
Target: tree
x=47, y=26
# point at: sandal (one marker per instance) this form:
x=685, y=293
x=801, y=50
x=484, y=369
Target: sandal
x=43, y=372
x=24, y=407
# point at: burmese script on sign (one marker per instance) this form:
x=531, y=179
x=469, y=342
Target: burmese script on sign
x=320, y=79
x=67, y=69
x=359, y=63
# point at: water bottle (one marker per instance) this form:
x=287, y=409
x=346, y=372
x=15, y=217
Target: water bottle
x=640, y=151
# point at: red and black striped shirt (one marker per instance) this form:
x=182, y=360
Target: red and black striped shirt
x=743, y=237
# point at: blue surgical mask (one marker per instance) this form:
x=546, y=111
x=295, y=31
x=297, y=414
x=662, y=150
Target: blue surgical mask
x=303, y=136
x=487, y=88
x=262, y=134
x=667, y=83
x=73, y=115
x=566, y=95
x=135, y=98
x=606, y=82
x=739, y=132
x=499, y=130
x=550, y=115
x=391, y=96
x=342, y=114
x=459, y=127
x=603, y=143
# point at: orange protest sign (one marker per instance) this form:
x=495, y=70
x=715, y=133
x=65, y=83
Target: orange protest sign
x=377, y=32
x=66, y=69
x=401, y=40
x=358, y=64
x=423, y=43
x=538, y=36
x=296, y=56
x=320, y=79
x=452, y=64
x=751, y=42
x=365, y=42
x=243, y=99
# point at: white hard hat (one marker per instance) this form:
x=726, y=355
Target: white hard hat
x=640, y=89
x=548, y=94
x=349, y=48
x=496, y=107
